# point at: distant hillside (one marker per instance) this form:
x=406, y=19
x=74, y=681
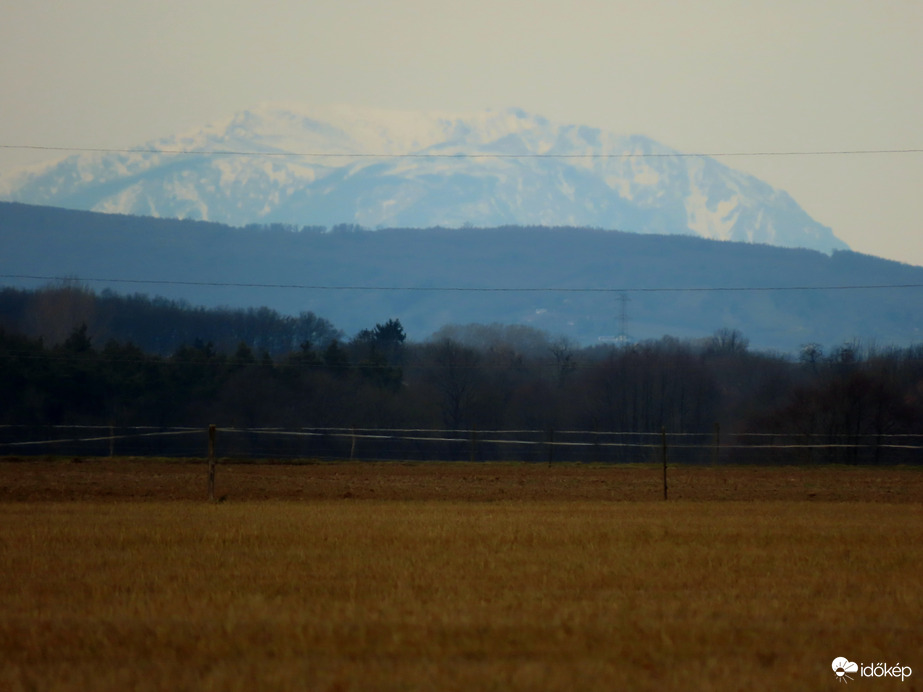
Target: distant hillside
x=566, y=281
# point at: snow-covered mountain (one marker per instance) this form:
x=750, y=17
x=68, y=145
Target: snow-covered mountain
x=329, y=165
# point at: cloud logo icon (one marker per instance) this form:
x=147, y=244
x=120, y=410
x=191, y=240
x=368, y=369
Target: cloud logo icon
x=842, y=666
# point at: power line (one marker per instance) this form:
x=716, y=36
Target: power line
x=475, y=155
x=465, y=289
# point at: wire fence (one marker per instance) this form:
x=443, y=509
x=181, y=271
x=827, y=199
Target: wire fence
x=475, y=445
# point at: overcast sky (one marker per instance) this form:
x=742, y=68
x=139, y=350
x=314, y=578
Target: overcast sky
x=708, y=76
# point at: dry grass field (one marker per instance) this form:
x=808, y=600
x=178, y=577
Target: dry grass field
x=116, y=575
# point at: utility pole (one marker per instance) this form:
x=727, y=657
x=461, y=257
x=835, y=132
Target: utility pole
x=212, y=430
x=623, y=337
x=663, y=442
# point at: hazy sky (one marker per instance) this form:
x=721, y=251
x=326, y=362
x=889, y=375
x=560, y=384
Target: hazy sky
x=707, y=76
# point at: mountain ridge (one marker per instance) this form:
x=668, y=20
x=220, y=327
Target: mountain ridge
x=330, y=165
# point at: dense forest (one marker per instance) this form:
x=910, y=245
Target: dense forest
x=136, y=361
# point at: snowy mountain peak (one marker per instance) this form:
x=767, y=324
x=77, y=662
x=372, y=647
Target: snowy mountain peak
x=323, y=165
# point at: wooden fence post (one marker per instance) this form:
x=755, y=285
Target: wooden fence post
x=474, y=443
x=663, y=441
x=550, y=446
x=212, y=432
x=714, y=456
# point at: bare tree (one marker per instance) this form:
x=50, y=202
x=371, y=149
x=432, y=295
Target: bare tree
x=453, y=373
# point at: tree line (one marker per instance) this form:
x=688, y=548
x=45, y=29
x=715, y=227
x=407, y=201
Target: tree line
x=156, y=325
x=843, y=405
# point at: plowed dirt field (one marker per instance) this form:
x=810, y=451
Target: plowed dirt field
x=144, y=479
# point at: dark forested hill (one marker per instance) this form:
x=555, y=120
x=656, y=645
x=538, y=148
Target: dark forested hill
x=567, y=281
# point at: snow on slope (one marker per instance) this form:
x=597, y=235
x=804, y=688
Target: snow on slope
x=310, y=165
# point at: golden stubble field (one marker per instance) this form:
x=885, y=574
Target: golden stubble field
x=115, y=582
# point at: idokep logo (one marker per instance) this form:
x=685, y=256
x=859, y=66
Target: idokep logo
x=843, y=666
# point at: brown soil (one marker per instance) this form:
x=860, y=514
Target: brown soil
x=147, y=479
